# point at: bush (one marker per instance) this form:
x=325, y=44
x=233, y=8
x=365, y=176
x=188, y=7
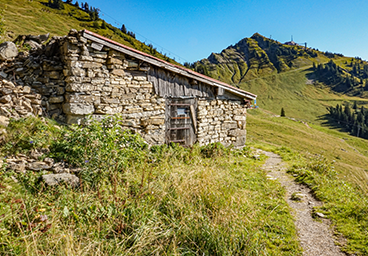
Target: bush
x=100, y=147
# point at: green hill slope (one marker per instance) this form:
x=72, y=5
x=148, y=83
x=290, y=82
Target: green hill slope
x=301, y=80
x=23, y=17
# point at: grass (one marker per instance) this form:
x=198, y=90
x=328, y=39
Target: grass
x=289, y=90
x=23, y=17
x=332, y=163
x=163, y=200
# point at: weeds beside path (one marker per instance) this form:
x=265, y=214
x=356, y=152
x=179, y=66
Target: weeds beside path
x=315, y=236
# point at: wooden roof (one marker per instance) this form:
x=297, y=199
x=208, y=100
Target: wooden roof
x=166, y=65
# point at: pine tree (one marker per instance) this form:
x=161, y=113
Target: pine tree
x=348, y=113
x=282, y=112
x=86, y=7
x=57, y=4
x=123, y=29
x=76, y=4
x=355, y=105
x=69, y=1
x=103, y=25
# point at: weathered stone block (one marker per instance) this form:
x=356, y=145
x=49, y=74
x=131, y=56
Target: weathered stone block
x=77, y=71
x=237, y=133
x=75, y=87
x=229, y=125
x=84, y=99
x=57, y=99
x=115, y=61
x=78, y=108
x=88, y=64
x=118, y=72
x=240, y=118
x=241, y=111
x=8, y=50
x=6, y=99
x=85, y=58
x=110, y=100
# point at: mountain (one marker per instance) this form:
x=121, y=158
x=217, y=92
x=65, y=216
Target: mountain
x=303, y=80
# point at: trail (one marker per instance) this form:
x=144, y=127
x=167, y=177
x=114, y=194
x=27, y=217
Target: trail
x=315, y=236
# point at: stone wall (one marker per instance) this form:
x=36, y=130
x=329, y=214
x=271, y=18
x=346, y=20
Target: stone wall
x=18, y=101
x=72, y=77
x=108, y=82
x=221, y=121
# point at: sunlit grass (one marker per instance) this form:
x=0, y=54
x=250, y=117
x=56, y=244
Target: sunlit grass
x=166, y=200
x=332, y=163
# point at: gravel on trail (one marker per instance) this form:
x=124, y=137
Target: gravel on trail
x=315, y=235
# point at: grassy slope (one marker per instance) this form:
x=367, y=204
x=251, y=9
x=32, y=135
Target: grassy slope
x=23, y=17
x=163, y=201
x=299, y=99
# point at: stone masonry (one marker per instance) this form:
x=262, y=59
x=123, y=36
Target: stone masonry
x=221, y=121
x=72, y=77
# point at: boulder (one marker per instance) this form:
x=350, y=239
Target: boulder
x=8, y=50
x=56, y=179
x=38, y=166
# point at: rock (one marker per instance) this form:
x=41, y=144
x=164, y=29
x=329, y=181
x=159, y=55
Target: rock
x=39, y=39
x=49, y=161
x=3, y=74
x=78, y=109
x=26, y=89
x=38, y=166
x=320, y=215
x=5, y=99
x=59, y=168
x=35, y=154
x=33, y=45
x=56, y=179
x=56, y=99
x=17, y=167
x=8, y=50
x=4, y=121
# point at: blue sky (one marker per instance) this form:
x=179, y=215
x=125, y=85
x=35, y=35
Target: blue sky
x=191, y=30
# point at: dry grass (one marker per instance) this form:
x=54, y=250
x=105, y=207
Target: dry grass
x=163, y=201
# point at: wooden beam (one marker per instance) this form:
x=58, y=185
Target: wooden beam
x=163, y=65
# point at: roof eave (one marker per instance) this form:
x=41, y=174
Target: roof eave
x=164, y=64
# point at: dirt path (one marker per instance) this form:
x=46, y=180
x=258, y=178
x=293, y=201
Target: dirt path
x=315, y=236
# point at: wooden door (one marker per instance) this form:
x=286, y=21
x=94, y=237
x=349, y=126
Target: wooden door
x=181, y=123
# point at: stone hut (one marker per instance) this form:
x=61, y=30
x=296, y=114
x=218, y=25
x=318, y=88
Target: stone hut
x=87, y=74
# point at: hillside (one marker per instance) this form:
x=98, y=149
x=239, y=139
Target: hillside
x=131, y=199
x=303, y=81
x=23, y=17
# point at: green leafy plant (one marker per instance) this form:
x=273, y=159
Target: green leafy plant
x=26, y=134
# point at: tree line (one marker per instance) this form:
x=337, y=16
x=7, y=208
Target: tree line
x=94, y=13
x=354, y=119
x=333, y=75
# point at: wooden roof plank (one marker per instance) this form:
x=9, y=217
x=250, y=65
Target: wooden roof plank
x=165, y=65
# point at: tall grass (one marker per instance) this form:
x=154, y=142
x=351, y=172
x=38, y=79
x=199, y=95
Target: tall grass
x=136, y=200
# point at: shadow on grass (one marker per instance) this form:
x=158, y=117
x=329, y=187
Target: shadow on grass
x=331, y=123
